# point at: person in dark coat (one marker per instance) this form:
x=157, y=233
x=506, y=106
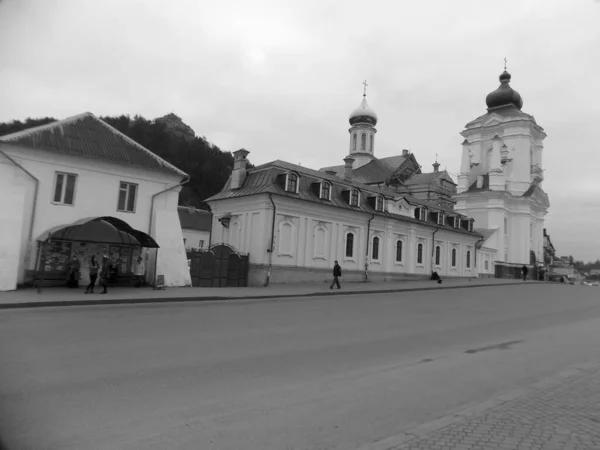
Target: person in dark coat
x=94, y=268
x=73, y=268
x=337, y=274
x=105, y=273
x=524, y=271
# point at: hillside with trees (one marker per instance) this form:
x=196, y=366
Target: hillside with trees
x=208, y=166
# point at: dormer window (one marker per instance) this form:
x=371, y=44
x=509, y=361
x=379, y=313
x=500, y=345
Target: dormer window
x=354, y=197
x=379, y=203
x=440, y=220
x=421, y=214
x=456, y=222
x=325, y=193
x=291, y=182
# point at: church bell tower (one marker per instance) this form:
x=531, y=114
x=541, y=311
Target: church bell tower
x=362, y=132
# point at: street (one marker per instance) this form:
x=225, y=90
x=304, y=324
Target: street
x=304, y=374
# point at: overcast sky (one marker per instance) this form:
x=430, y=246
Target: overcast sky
x=280, y=78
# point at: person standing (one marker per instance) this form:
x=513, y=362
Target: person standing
x=337, y=274
x=104, y=273
x=524, y=271
x=139, y=271
x=94, y=267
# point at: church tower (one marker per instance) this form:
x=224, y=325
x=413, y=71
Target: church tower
x=500, y=179
x=362, y=133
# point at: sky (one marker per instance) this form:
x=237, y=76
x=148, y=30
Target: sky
x=280, y=78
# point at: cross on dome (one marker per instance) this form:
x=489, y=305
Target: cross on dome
x=365, y=89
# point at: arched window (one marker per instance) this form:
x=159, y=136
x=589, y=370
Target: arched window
x=349, y=245
x=354, y=141
x=291, y=184
x=325, y=191
x=453, y=257
x=438, y=255
x=363, y=141
x=419, y=253
x=372, y=143
x=468, y=259
x=375, y=251
x=398, y=251
x=354, y=197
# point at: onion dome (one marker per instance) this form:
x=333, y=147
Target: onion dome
x=504, y=95
x=363, y=114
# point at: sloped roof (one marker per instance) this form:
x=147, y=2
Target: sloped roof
x=194, y=219
x=486, y=233
x=426, y=178
x=375, y=171
x=266, y=179
x=87, y=136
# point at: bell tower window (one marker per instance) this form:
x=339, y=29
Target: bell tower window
x=363, y=141
x=372, y=142
x=354, y=141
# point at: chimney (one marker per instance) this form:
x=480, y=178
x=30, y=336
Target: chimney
x=479, y=181
x=404, y=152
x=348, y=160
x=436, y=166
x=238, y=175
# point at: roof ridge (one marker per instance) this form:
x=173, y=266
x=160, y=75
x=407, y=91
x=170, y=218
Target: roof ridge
x=56, y=123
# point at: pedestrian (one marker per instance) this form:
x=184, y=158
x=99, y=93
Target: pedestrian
x=73, y=268
x=524, y=271
x=139, y=271
x=94, y=267
x=104, y=273
x=337, y=274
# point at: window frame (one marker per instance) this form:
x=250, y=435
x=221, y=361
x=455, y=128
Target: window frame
x=354, y=141
x=468, y=259
x=128, y=193
x=379, y=203
x=65, y=176
x=363, y=141
x=351, y=248
x=401, y=242
x=453, y=257
x=438, y=255
x=352, y=192
x=420, y=249
x=296, y=181
x=441, y=218
x=328, y=189
x=375, y=248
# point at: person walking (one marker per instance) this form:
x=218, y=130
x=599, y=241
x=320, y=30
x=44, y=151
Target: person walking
x=139, y=271
x=337, y=274
x=104, y=273
x=524, y=271
x=94, y=267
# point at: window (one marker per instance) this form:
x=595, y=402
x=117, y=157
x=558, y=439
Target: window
x=363, y=141
x=354, y=196
x=453, y=257
x=201, y=243
x=349, y=245
x=398, y=251
x=505, y=226
x=371, y=143
x=291, y=183
x=379, y=203
x=438, y=255
x=354, y=141
x=419, y=253
x=127, y=197
x=468, y=259
x=440, y=220
x=457, y=222
x=375, y=250
x=64, y=188
x=486, y=266
x=325, y=191
x=423, y=214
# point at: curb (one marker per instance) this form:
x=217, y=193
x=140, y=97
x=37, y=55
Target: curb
x=475, y=409
x=149, y=300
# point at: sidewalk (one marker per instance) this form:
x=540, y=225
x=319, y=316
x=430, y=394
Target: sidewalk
x=27, y=298
x=561, y=412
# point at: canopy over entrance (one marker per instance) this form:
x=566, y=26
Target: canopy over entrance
x=101, y=230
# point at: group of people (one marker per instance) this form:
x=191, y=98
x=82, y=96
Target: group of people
x=102, y=270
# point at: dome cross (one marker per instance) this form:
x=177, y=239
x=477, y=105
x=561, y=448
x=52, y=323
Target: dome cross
x=365, y=89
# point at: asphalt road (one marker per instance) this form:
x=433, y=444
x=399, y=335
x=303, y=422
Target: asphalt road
x=303, y=374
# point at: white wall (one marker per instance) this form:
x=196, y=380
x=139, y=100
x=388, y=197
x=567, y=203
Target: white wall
x=195, y=239
x=96, y=194
x=313, y=236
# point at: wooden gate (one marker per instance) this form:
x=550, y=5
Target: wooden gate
x=221, y=266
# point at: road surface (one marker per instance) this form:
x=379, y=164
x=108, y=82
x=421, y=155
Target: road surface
x=303, y=374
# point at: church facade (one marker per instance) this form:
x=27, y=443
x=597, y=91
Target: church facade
x=500, y=180
x=380, y=218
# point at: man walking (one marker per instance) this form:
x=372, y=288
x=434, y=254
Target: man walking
x=337, y=274
x=524, y=271
x=104, y=273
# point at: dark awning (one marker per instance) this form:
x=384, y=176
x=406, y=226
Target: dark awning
x=103, y=230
